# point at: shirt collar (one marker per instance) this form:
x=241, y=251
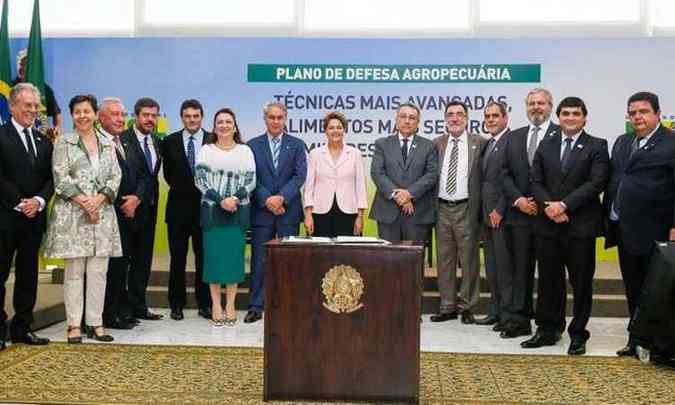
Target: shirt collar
x=574, y=137
x=270, y=137
x=401, y=137
x=18, y=126
x=139, y=134
x=543, y=127
x=462, y=138
x=197, y=135
x=645, y=139
x=499, y=135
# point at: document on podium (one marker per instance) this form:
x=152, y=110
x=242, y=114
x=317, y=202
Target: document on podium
x=306, y=239
x=361, y=239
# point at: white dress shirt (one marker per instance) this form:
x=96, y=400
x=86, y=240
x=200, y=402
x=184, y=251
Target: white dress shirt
x=199, y=139
x=462, y=190
x=542, y=132
x=151, y=145
x=20, y=129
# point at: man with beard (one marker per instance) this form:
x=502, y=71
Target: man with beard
x=143, y=150
x=521, y=216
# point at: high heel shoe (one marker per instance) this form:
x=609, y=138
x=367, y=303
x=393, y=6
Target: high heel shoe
x=74, y=339
x=91, y=334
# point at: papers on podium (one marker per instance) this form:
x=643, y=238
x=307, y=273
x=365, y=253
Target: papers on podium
x=361, y=239
x=306, y=239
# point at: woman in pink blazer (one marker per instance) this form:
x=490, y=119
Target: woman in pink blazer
x=335, y=196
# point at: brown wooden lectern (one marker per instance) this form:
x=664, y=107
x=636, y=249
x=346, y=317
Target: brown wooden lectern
x=343, y=322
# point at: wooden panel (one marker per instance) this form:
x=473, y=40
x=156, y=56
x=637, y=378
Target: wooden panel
x=370, y=354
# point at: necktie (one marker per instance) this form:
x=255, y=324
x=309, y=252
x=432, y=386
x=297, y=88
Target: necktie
x=29, y=145
x=532, y=147
x=276, y=145
x=564, y=161
x=148, y=155
x=118, y=145
x=191, y=153
x=404, y=150
x=451, y=182
x=634, y=147
x=488, y=150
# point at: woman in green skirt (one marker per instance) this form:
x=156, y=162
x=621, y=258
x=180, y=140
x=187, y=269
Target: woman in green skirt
x=225, y=174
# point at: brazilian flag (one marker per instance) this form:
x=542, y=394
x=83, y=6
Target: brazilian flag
x=5, y=67
x=35, y=66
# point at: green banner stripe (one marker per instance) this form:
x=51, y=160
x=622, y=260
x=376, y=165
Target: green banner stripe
x=521, y=73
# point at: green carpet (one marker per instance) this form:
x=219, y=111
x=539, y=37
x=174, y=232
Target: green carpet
x=131, y=374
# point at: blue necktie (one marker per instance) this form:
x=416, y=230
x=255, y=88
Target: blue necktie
x=148, y=155
x=276, y=145
x=191, y=153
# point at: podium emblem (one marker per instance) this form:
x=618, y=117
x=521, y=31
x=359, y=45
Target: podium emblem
x=342, y=287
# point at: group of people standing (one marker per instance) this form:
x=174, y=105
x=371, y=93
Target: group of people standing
x=532, y=195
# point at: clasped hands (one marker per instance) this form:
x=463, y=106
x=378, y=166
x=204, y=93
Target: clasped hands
x=275, y=203
x=403, y=199
x=230, y=204
x=527, y=205
x=555, y=210
x=29, y=207
x=91, y=206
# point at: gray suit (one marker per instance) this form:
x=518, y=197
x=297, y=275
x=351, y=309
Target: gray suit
x=498, y=265
x=457, y=232
x=419, y=175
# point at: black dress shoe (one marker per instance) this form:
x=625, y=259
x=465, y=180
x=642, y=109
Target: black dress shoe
x=628, y=350
x=2, y=344
x=130, y=319
x=499, y=326
x=467, y=317
x=514, y=331
x=443, y=316
x=177, y=314
x=577, y=347
x=488, y=320
x=252, y=316
x=205, y=313
x=117, y=323
x=149, y=316
x=540, y=339
x=30, y=338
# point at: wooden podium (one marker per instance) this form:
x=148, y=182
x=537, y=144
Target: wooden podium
x=343, y=322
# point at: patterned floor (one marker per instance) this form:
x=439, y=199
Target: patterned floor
x=135, y=374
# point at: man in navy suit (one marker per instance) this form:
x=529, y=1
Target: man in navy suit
x=276, y=208
x=640, y=197
x=569, y=172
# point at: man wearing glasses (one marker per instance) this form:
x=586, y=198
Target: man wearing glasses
x=405, y=170
x=457, y=228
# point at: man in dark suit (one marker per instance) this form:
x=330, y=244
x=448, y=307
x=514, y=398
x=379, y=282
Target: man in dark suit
x=520, y=220
x=142, y=148
x=111, y=116
x=276, y=206
x=26, y=186
x=179, y=153
x=640, y=197
x=404, y=169
x=569, y=172
x=498, y=266
x=458, y=223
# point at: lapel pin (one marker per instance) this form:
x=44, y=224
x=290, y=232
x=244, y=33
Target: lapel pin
x=580, y=146
x=473, y=147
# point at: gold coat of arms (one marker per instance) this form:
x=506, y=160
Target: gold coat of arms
x=342, y=287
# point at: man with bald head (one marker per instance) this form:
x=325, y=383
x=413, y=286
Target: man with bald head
x=116, y=313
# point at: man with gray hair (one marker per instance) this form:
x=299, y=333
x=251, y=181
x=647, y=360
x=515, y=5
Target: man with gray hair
x=26, y=185
x=276, y=206
x=116, y=311
x=523, y=210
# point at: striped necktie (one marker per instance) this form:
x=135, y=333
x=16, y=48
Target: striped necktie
x=276, y=145
x=451, y=182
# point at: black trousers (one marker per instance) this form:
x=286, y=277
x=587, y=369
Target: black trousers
x=141, y=245
x=554, y=254
x=634, y=269
x=499, y=272
x=334, y=222
x=520, y=242
x=116, y=304
x=25, y=244
x=179, y=237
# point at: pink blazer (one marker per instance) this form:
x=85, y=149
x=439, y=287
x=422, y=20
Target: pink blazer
x=346, y=180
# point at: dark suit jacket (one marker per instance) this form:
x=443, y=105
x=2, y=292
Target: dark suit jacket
x=419, y=175
x=578, y=188
x=516, y=177
x=286, y=180
x=184, y=198
x=21, y=179
x=133, y=182
x=476, y=143
x=136, y=157
x=647, y=198
x=492, y=190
